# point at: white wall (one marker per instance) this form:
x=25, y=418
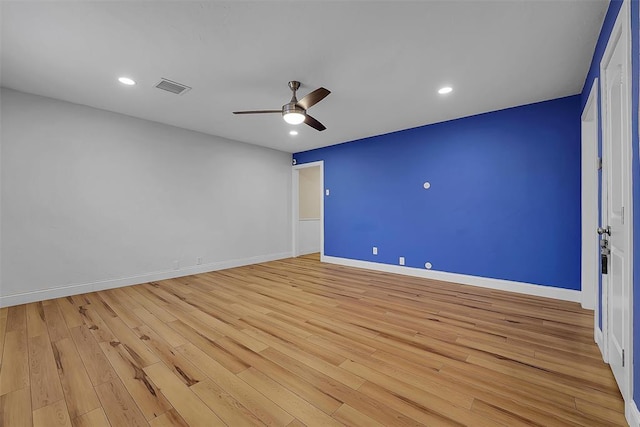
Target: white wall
x=93, y=199
x=308, y=236
x=309, y=193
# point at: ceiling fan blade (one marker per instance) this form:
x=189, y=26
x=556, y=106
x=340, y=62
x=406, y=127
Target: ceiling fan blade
x=258, y=112
x=314, y=123
x=313, y=98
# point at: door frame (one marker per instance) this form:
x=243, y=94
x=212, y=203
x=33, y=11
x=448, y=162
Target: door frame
x=295, y=213
x=590, y=189
x=621, y=30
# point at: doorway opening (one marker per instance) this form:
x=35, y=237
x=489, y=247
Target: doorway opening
x=308, y=209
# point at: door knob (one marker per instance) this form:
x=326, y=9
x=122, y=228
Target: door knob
x=606, y=230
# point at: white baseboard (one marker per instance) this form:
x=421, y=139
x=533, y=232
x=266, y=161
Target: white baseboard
x=587, y=299
x=484, y=282
x=307, y=251
x=632, y=414
x=75, y=289
x=599, y=338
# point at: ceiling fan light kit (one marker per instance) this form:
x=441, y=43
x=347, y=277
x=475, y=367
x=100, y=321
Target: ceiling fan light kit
x=295, y=112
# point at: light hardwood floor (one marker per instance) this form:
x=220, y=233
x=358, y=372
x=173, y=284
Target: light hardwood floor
x=297, y=342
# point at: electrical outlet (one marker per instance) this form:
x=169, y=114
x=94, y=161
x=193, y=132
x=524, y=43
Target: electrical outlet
x=199, y=260
x=326, y=192
x=176, y=265
x=401, y=260
x=375, y=250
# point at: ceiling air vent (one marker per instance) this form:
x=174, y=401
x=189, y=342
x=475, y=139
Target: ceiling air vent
x=172, y=87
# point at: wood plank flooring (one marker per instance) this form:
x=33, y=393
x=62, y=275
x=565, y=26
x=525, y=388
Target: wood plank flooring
x=296, y=342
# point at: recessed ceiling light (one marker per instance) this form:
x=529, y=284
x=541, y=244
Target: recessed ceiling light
x=126, y=81
x=293, y=132
x=444, y=90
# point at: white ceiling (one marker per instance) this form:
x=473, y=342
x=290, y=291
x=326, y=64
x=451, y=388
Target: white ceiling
x=383, y=61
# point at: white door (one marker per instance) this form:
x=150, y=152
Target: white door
x=617, y=202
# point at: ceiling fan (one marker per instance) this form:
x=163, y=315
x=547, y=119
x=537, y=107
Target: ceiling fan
x=295, y=112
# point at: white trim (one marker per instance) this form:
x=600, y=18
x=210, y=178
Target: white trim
x=483, y=282
x=599, y=339
x=589, y=188
x=294, y=205
x=295, y=210
x=632, y=414
x=75, y=289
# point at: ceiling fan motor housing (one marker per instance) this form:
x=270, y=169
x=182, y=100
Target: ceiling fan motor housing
x=292, y=107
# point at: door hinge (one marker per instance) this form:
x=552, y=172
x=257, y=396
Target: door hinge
x=599, y=163
x=622, y=214
x=623, y=357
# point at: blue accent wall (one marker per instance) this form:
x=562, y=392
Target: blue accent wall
x=504, y=200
